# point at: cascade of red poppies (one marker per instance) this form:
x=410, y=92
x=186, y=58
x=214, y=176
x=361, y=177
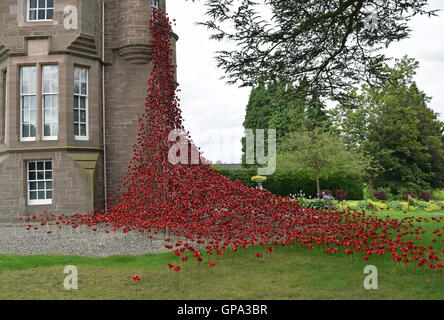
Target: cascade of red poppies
x=202, y=207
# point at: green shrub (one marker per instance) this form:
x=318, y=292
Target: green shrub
x=368, y=194
x=419, y=204
x=365, y=205
x=380, y=195
x=243, y=175
x=425, y=196
x=284, y=183
x=395, y=205
x=319, y=204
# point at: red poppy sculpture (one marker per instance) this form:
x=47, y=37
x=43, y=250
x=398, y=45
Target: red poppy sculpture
x=205, y=209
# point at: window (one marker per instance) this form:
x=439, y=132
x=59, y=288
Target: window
x=39, y=182
x=4, y=116
x=155, y=4
x=40, y=10
x=50, y=103
x=28, y=119
x=81, y=103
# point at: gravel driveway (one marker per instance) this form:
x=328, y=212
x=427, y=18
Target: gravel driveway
x=82, y=241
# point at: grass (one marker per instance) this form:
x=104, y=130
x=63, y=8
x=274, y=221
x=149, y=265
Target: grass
x=287, y=273
x=439, y=194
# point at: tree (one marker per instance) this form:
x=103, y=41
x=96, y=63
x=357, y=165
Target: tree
x=284, y=108
x=331, y=44
x=322, y=152
x=393, y=125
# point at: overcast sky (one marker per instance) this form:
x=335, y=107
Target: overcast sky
x=214, y=112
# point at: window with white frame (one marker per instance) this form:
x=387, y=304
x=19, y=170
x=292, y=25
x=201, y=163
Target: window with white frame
x=81, y=103
x=39, y=182
x=50, y=102
x=40, y=10
x=28, y=107
x=155, y=4
x=4, y=118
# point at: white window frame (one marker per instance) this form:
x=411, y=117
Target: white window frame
x=46, y=8
x=80, y=95
x=44, y=180
x=5, y=105
x=155, y=4
x=25, y=139
x=50, y=93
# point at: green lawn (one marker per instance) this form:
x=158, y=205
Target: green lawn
x=288, y=273
x=438, y=194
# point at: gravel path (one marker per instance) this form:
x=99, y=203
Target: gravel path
x=437, y=214
x=16, y=240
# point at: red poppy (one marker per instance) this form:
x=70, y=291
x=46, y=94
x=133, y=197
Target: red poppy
x=197, y=204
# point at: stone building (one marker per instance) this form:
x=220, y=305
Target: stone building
x=73, y=77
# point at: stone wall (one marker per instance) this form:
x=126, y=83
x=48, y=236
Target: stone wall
x=14, y=28
x=77, y=187
x=71, y=188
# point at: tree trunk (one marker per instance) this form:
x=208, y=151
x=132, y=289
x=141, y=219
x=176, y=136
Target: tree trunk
x=318, y=188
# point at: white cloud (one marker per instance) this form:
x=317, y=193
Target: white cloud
x=214, y=111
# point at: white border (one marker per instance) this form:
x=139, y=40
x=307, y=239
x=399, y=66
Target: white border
x=28, y=10
x=28, y=191
x=82, y=138
x=50, y=138
x=27, y=139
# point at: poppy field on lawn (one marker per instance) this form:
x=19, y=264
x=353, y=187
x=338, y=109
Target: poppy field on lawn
x=289, y=272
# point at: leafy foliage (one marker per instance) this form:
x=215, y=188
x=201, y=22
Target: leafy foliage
x=321, y=152
x=407, y=193
x=393, y=125
x=318, y=204
x=425, y=196
x=380, y=195
x=322, y=42
x=291, y=182
x=365, y=205
x=395, y=205
x=284, y=108
x=341, y=195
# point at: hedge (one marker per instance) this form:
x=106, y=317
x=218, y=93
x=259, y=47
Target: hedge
x=284, y=183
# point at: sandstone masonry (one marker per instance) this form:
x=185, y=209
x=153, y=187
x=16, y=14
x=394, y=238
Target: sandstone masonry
x=76, y=183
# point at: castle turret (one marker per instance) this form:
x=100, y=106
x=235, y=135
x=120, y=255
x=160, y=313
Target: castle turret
x=130, y=64
x=134, y=36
